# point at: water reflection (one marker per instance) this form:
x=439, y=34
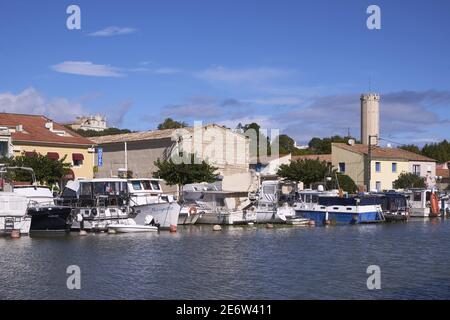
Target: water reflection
x=242, y=262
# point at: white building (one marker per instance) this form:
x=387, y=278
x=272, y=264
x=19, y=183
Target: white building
x=94, y=123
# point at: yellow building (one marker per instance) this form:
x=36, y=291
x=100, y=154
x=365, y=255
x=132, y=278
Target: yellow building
x=386, y=164
x=30, y=134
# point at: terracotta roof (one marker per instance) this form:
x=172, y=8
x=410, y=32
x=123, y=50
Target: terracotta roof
x=320, y=157
x=444, y=173
x=385, y=153
x=34, y=130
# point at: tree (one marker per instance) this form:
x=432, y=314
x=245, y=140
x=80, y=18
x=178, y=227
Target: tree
x=93, y=133
x=307, y=171
x=411, y=148
x=47, y=171
x=438, y=151
x=191, y=171
x=169, y=123
x=345, y=183
x=251, y=130
x=408, y=181
x=323, y=146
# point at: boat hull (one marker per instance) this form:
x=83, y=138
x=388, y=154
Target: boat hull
x=232, y=218
x=8, y=224
x=188, y=219
x=165, y=214
x=51, y=219
x=122, y=228
x=339, y=218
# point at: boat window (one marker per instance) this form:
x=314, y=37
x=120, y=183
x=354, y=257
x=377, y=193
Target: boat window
x=155, y=185
x=315, y=199
x=85, y=189
x=104, y=187
x=136, y=185
x=308, y=198
x=146, y=184
x=417, y=196
x=269, y=189
x=428, y=196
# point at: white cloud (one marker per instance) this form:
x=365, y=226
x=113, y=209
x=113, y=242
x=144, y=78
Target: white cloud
x=30, y=101
x=277, y=101
x=167, y=71
x=87, y=68
x=113, y=31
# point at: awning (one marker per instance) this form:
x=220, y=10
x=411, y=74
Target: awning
x=77, y=156
x=53, y=155
x=30, y=154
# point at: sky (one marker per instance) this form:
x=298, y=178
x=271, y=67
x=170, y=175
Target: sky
x=296, y=66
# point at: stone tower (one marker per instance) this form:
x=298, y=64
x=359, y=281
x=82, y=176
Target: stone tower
x=370, y=117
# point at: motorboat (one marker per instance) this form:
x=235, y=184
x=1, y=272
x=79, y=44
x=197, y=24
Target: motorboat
x=424, y=203
x=147, y=198
x=130, y=226
x=46, y=216
x=97, y=203
x=216, y=206
x=394, y=205
x=298, y=222
x=275, y=202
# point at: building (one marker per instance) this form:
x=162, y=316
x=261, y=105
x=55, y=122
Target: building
x=370, y=118
x=22, y=134
x=443, y=172
x=386, y=164
x=94, y=123
x=136, y=152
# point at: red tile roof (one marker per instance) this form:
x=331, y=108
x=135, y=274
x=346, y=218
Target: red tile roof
x=385, y=153
x=34, y=130
x=444, y=173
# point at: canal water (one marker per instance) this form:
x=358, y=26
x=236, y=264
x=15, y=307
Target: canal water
x=237, y=263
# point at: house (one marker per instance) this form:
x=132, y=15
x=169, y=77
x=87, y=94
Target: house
x=94, y=123
x=443, y=172
x=386, y=164
x=22, y=134
x=136, y=152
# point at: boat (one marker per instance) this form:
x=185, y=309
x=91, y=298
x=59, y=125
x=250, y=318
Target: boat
x=216, y=206
x=46, y=216
x=130, y=226
x=275, y=200
x=394, y=205
x=14, y=217
x=298, y=222
x=424, y=203
x=147, y=198
x=97, y=203
x=340, y=210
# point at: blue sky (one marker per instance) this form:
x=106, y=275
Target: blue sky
x=297, y=66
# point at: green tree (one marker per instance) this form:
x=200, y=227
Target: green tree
x=409, y=180
x=411, y=148
x=47, y=171
x=169, y=123
x=345, y=183
x=191, y=170
x=93, y=133
x=253, y=130
x=323, y=146
x=438, y=151
x=307, y=171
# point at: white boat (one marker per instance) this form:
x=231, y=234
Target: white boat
x=215, y=206
x=13, y=208
x=274, y=202
x=147, y=198
x=298, y=221
x=130, y=226
x=420, y=202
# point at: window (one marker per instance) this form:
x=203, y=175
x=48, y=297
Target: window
x=394, y=166
x=417, y=196
x=416, y=169
x=155, y=185
x=378, y=186
x=341, y=166
x=77, y=163
x=136, y=185
x=378, y=166
x=147, y=185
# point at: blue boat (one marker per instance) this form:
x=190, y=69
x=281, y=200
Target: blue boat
x=336, y=210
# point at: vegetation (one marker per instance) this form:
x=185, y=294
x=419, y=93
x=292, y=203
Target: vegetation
x=47, y=171
x=106, y=132
x=345, y=183
x=411, y=148
x=409, y=180
x=261, y=139
x=323, y=146
x=307, y=171
x=192, y=170
x=438, y=151
x=169, y=123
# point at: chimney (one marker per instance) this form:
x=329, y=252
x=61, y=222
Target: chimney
x=49, y=125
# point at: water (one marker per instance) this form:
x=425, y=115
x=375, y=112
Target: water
x=237, y=263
